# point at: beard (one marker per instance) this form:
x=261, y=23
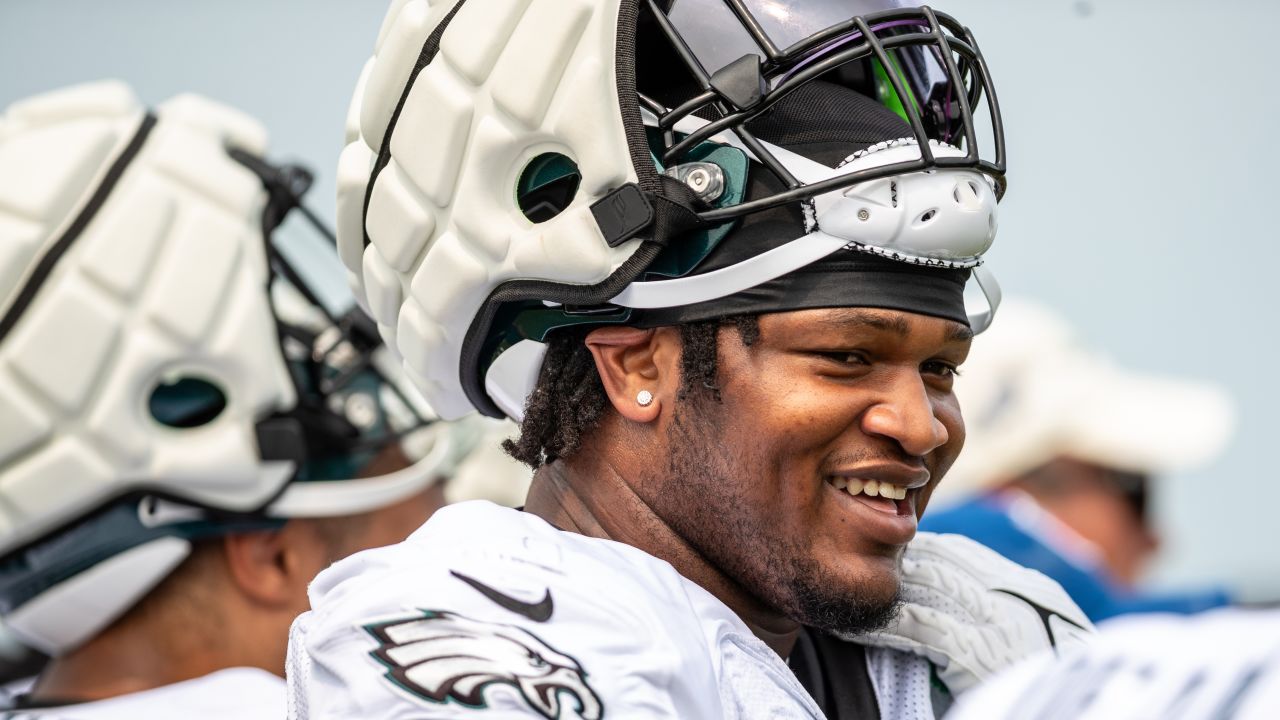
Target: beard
x=698, y=499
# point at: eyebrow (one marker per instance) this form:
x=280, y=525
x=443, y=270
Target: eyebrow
x=843, y=318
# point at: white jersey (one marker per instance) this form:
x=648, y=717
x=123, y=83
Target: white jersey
x=240, y=693
x=491, y=609
x=1222, y=665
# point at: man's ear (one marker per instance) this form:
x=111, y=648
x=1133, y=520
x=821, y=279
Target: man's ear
x=274, y=567
x=631, y=362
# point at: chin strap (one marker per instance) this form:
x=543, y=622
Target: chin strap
x=986, y=280
x=627, y=211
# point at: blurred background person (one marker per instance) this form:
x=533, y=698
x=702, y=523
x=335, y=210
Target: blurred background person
x=187, y=435
x=1220, y=665
x=1064, y=452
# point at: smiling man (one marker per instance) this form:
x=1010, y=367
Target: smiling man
x=723, y=292
x=795, y=452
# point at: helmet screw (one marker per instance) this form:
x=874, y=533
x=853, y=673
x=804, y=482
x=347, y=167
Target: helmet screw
x=361, y=410
x=705, y=179
x=864, y=214
x=698, y=180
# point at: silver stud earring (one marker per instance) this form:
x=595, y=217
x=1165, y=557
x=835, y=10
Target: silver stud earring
x=644, y=398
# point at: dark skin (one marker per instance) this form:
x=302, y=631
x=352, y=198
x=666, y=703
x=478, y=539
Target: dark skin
x=822, y=394
x=230, y=605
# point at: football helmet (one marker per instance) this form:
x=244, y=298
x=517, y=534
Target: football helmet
x=517, y=166
x=166, y=374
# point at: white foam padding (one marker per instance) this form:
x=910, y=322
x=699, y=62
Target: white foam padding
x=41, y=352
x=145, y=218
x=513, y=79
x=399, y=223
x=67, y=136
x=167, y=279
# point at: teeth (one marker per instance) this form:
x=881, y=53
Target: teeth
x=872, y=488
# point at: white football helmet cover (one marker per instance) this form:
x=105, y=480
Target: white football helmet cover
x=468, y=107
x=140, y=354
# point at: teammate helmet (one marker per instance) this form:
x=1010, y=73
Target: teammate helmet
x=516, y=166
x=165, y=373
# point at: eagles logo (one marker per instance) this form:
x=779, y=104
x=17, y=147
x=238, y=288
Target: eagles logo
x=442, y=657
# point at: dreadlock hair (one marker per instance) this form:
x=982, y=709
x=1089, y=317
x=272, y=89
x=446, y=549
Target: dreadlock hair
x=569, y=398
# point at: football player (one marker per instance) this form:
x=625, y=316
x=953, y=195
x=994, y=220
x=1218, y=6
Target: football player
x=713, y=255
x=187, y=436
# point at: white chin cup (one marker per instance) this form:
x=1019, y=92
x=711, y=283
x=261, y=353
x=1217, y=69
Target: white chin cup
x=944, y=217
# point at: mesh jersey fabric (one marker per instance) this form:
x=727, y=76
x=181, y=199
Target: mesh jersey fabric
x=827, y=123
x=835, y=673
x=903, y=683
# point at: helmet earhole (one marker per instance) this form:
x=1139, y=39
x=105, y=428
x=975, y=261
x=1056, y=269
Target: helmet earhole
x=186, y=402
x=547, y=186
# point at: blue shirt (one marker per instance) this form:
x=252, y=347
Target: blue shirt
x=989, y=522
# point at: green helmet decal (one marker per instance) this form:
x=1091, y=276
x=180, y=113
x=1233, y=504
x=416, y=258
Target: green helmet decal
x=884, y=88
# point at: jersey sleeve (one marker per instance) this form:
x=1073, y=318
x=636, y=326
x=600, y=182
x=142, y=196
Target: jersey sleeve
x=517, y=629
x=1223, y=664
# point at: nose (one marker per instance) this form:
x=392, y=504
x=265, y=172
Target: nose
x=905, y=415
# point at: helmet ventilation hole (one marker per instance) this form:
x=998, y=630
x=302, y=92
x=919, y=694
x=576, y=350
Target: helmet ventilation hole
x=926, y=216
x=186, y=402
x=547, y=186
x=972, y=195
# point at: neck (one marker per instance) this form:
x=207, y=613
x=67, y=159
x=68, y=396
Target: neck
x=158, y=644
x=591, y=497
x=101, y=671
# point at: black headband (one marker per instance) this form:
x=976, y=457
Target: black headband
x=846, y=278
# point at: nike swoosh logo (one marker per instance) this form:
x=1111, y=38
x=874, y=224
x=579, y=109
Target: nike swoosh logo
x=1046, y=615
x=537, y=612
